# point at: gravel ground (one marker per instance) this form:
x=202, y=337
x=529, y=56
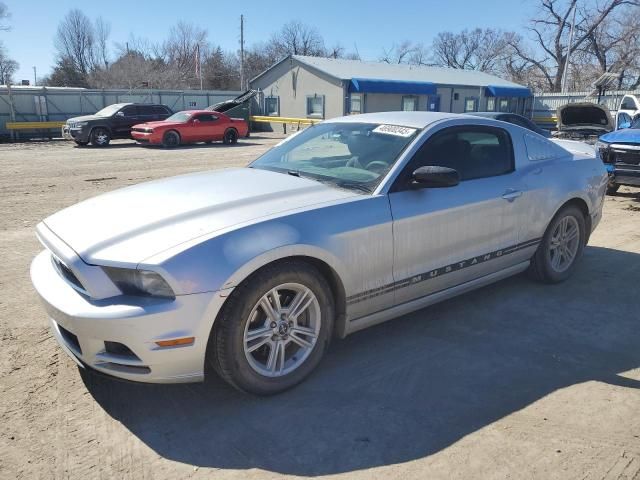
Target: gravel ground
x=516, y=380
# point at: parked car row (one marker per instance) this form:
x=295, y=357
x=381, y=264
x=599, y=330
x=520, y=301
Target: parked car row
x=153, y=125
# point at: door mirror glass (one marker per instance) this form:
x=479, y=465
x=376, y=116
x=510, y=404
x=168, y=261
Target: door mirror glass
x=435, y=177
x=195, y=120
x=120, y=114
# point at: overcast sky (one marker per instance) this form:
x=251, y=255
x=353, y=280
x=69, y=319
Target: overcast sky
x=370, y=26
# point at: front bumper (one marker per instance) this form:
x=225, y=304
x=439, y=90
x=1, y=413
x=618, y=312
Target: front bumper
x=82, y=326
x=75, y=134
x=146, y=137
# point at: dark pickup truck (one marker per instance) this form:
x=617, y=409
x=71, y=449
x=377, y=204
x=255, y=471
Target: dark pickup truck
x=114, y=121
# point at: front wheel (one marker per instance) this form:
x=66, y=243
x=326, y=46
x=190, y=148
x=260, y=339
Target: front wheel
x=273, y=330
x=171, y=139
x=100, y=137
x=612, y=188
x=561, y=246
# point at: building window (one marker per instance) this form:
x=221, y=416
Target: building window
x=409, y=103
x=491, y=104
x=315, y=106
x=504, y=104
x=356, y=103
x=272, y=106
x=470, y=104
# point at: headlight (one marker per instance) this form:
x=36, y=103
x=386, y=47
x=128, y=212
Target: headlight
x=81, y=124
x=149, y=130
x=139, y=282
x=602, y=150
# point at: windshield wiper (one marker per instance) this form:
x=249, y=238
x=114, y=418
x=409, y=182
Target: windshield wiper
x=355, y=185
x=294, y=173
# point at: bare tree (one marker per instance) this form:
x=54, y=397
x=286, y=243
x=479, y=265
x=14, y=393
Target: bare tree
x=296, y=38
x=399, y=53
x=4, y=16
x=550, y=30
x=615, y=45
x=102, y=33
x=7, y=67
x=75, y=41
x=477, y=49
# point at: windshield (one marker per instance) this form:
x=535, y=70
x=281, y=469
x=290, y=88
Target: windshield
x=110, y=110
x=350, y=155
x=180, y=117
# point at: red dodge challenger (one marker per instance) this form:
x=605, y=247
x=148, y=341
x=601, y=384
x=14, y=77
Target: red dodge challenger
x=191, y=126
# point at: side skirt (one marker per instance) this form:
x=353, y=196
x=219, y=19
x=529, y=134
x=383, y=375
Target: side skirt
x=408, y=307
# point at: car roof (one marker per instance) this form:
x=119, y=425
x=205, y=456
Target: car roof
x=490, y=114
x=406, y=119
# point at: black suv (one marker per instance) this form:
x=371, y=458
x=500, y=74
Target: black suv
x=114, y=121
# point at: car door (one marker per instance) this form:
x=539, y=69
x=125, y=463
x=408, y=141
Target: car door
x=447, y=236
x=205, y=128
x=124, y=119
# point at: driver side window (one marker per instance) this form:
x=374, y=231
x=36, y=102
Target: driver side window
x=473, y=151
x=130, y=111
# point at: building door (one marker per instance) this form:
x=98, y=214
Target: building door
x=433, y=103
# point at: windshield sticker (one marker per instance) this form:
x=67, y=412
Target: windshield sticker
x=394, y=130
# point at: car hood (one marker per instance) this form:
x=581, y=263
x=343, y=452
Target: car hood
x=160, y=124
x=135, y=223
x=85, y=118
x=627, y=135
x=584, y=116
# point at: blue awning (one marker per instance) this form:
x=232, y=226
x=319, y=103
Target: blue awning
x=496, y=91
x=372, y=85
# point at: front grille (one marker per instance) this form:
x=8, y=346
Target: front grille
x=70, y=339
x=627, y=157
x=66, y=273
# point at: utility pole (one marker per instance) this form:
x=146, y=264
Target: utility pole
x=35, y=78
x=241, y=52
x=568, y=59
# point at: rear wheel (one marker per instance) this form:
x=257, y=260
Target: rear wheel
x=273, y=330
x=230, y=136
x=171, y=139
x=561, y=246
x=100, y=137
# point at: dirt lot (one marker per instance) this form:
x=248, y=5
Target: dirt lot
x=516, y=380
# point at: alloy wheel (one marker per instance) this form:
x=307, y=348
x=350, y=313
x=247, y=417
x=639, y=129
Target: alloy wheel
x=282, y=330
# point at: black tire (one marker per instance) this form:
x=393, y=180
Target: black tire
x=612, y=189
x=541, y=265
x=225, y=351
x=230, y=137
x=81, y=144
x=100, y=137
x=171, y=139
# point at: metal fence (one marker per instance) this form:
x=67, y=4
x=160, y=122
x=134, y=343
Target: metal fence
x=544, y=105
x=35, y=104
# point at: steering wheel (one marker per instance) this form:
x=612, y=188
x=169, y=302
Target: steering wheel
x=377, y=166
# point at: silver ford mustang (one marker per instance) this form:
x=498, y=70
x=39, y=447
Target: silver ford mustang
x=351, y=222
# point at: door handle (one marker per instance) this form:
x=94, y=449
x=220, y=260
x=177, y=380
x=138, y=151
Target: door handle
x=510, y=195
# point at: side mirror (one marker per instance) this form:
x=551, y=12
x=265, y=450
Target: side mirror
x=195, y=120
x=435, y=177
x=120, y=114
